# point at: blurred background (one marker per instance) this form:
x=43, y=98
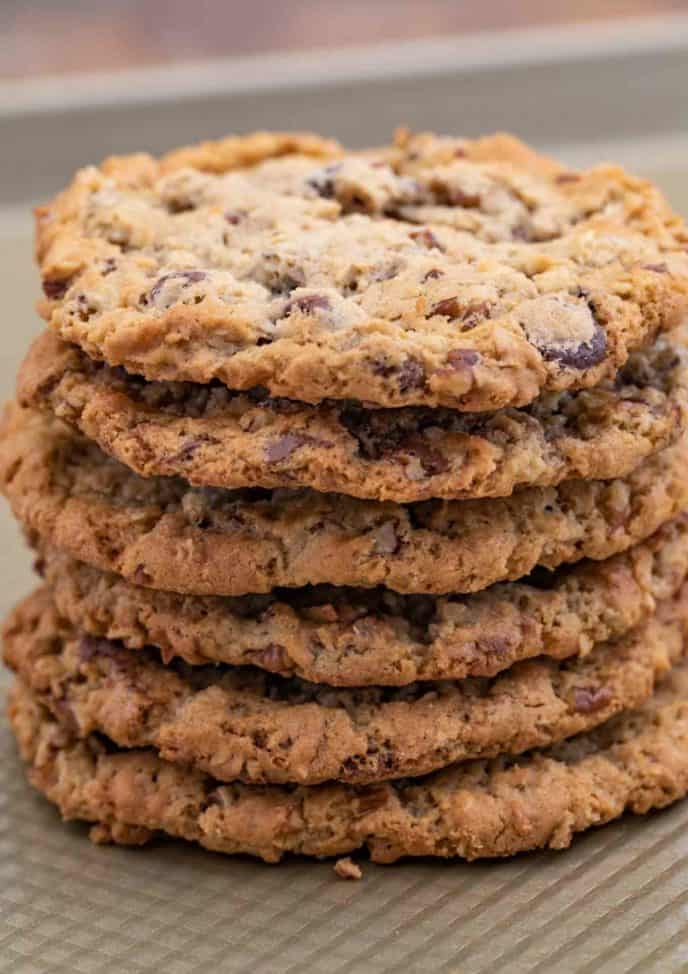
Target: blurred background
x=67, y=36
x=586, y=79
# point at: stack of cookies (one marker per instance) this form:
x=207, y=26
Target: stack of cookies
x=357, y=482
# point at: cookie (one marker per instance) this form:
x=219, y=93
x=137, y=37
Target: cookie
x=213, y=437
x=636, y=762
x=436, y=272
x=244, y=724
x=363, y=637
x=161, y=533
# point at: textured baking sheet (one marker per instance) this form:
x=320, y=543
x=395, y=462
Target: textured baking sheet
x=616, y=903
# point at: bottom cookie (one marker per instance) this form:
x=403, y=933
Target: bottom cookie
x=636, y=762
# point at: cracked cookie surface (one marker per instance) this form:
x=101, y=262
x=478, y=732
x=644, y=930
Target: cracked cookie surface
x=246, y=725
x=436, y=271
x=362, y=637
x=213, y=437
x=161, y=533
x=635, y=762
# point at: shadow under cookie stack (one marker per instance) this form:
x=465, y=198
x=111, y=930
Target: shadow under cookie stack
x=357, y=484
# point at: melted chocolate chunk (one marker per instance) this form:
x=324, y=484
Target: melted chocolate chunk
x=284, y=446
x=191, y=445
x=469, y=314
x=380, y=434
x=308, y=304
x=433, y=274
x=587, y=700
x=462, y=358
x=582, y=356
x=411, y=375
x=521, y=232
x=447, y=308
x=432, y=461
x=55, y=289
x=386, y=539
x=274, y=658
x=187, y=277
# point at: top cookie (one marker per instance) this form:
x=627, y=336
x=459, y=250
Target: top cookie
x=470, y=274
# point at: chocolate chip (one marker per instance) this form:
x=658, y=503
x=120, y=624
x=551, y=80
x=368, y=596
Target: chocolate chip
x=448, y=308
x=411, y=375
x=564, y=329
x=274, y=658
x=433, y=274
x=187, y=277
x=283, y=447
x=582, y=356
x=375, y=435
x=180, y=205
x=521, y=232
x=234, y=216
x=385, y=369
x=567, y=177
x=427, y=238
x=308, y=304
x=141, y=576
x=323, y=181
x=462, y=358
x=470, y=314
x=109, y=266
x=658, y=268
x=474, y=313
x=191, y=445
x=393, y=433
x=386, y=539
x=55, y=289
x=586, y=700
x=431, y=460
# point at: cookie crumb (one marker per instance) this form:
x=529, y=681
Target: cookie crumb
x=347, y=869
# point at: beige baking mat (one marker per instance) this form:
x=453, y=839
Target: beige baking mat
x=616, y=903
